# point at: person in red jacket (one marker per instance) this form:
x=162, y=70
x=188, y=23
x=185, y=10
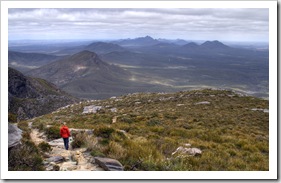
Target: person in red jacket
x=65, y=134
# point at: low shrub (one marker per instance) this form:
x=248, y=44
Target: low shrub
x=79, y=140
x=126, y=119
x=52, y=132
x=45, y=147
x=153, y=122
x=25, y=157
x=97, y=153
x=104, y=131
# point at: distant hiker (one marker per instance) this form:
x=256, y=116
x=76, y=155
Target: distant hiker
x=65, y=134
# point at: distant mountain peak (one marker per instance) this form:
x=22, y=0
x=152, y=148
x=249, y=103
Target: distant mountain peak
x=139, y=41
x=213, y=45
x=103, y=47
x=148, y=38
x=190, y=45
x=85, y=53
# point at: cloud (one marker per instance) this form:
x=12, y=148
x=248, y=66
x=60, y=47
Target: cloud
x=204, y=23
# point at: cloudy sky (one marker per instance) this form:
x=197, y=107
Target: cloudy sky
x=190, y=24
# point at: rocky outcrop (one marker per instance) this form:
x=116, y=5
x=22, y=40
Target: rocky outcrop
x=30, y=97
x=91, y=109
x=109, y=164
x=14, y=135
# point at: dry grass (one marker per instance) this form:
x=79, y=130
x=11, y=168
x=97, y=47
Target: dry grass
x=151, y=126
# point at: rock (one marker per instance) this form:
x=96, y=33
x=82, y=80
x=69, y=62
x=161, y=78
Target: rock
x=189, y=151
x=91, y=109
x=204, y=102
x=68, y=166
x=114, y=119
x=56, y=159
x=187, y=145
x=113, y=109
x=109, y=164
x=14, y=136
x=193, y=151
x=178, y=105
x=263, y=110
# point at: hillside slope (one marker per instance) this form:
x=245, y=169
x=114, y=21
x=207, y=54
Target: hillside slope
x=157, y=131
x=30, y=97
x=85, y=75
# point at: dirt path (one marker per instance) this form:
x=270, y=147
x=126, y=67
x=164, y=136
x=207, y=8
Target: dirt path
x=64, y=160
x=36, y=136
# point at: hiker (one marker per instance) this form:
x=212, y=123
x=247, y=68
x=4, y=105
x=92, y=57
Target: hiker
x=65, y=134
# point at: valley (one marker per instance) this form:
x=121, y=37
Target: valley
x=149, y=65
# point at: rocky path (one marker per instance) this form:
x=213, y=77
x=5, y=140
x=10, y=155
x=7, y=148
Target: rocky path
x=59, y=159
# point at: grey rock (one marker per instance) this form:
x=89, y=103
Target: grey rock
x=91, y=109
x=109, y=164
x=113, y=109
x=263, y=110
x=56, y=159
x=189, y=151
x=204, y=102
x=193, y=151
x=14, y=135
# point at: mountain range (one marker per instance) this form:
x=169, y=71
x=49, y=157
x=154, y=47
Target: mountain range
x=105, y=69
x=97, y=47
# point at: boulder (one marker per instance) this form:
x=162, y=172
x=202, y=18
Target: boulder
x=109, y=164
x=187, y=150
x=91, y=109
x=14, y=136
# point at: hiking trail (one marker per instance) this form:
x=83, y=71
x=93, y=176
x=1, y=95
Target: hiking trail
x=59, y=159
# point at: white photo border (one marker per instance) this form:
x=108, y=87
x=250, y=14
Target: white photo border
x=271, y=174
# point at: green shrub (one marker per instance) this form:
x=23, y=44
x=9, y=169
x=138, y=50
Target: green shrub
x=153, y=122
x=23, y=125
x=52, y=132
x=25, y=157
x=97, y=153
x=104, y=131
x=126, y=119
x=45, y=147
x=41, y=127
x=79, y=140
